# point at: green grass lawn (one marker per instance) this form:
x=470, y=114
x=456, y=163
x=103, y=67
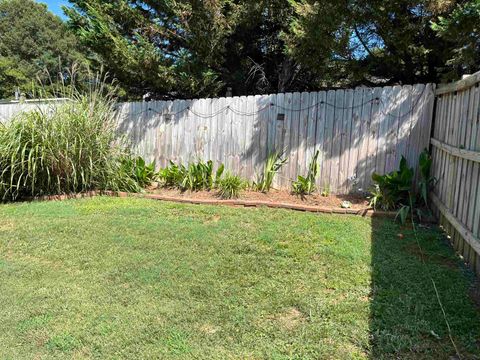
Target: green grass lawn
x=134, y=278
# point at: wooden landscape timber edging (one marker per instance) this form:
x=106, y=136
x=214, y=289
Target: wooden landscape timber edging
x=455, y=148
x=365, y=212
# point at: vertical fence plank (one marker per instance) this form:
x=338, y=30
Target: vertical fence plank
x=292, y=165
x=302, y=134
x=355, y=141
x=311, y=127
x=320, y=140
x=373, y=138
x=337, y=139
x=279, y=116
x=271, y=125
x=215, y=152
x=242, y=119
x=363, y=139
x=263, y=108
x=329, y=142
x=345, y=144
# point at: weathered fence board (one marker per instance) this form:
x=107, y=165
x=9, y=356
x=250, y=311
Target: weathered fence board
x=456, y=165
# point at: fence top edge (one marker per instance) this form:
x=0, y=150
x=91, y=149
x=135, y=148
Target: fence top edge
x=291, y=93
x=459, y=85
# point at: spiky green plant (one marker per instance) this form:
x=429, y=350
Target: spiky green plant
x=142, y=173
x=274, y=163
x=172, y=175
x=305, y=185
x=230, y=186
x=196, y=176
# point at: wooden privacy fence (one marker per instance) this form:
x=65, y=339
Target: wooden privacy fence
x=456, y=165
x=357, y=132
x=9, y=110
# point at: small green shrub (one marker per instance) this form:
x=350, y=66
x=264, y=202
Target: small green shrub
x=140, y=172
x=172, y=175
x=306, y=185
x=325, y=190
x=194, y=177
x=395, y=191
x=197, y=176
x=274, y=163
x=230, y=186
x=392, y=190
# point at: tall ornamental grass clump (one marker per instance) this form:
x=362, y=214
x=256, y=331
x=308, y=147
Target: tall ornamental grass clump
x=64, y=148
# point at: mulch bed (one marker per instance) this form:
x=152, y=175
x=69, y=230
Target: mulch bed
x=273, y=197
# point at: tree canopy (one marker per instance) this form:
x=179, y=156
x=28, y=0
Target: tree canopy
x=34, y=45
x=197, y=48
x=461, y=27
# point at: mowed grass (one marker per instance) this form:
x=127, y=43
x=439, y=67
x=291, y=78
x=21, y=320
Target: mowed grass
x=136, y=279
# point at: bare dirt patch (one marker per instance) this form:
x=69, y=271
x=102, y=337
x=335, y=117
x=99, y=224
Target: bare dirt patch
x=275, y=196
x=290, y=318
x=208, y=329
x=6, y=225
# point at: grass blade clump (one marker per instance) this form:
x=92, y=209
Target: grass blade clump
x=230, y=186
x=64, y=148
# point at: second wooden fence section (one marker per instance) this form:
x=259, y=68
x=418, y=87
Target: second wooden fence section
x=456, y=156
x=357, y=132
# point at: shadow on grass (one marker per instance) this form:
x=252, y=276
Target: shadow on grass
x=406, y=319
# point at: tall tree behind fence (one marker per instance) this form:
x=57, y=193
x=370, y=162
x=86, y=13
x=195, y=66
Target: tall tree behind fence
x=357, y=132
x=456, y=165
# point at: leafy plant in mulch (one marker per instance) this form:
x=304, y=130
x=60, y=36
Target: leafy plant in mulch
x=395, y=190
x=229, y=187
x=196, y=176
x=305, y=185
x=139, y=171
x=275, y=161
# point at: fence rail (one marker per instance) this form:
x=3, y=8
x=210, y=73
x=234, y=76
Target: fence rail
x=456, y=165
